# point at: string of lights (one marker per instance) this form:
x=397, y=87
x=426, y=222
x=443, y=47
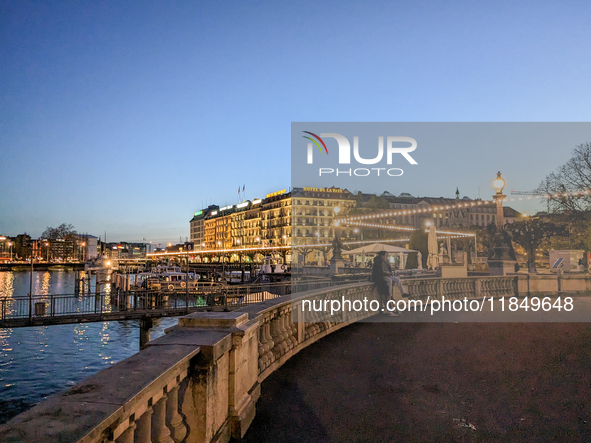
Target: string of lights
x=575, y=194
x=269, y=248
x=435, y=208
x=405, y=228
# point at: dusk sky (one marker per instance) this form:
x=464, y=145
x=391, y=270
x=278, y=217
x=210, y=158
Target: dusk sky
x=127, y=117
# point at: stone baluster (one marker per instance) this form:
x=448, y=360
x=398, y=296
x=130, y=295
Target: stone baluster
x=279, y=348
x=289, y=329
x=284, y=330
x=310, y=323
x=128, y=434
x=173, y=418
x=294, y=329
x=160, y=432
x=143, y=432
x=262, y=350
x=313, y=316
x=270, y=343
x=325, y=315
x=282, y=333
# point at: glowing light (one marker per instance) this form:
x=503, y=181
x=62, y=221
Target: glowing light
x=499, y=183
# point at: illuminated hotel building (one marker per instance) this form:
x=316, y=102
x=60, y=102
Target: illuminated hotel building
x=314, y=210
x=304, y=213
x=276, y=219
x=251, y=225
x=197, y=226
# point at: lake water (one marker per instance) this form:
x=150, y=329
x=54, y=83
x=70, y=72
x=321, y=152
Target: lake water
x=36, y=362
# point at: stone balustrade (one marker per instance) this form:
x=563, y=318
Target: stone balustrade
x=458, y=288
x=136, y=398
x=200, y=382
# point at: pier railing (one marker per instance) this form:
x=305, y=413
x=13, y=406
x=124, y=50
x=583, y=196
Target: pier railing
x=41, y=307
x=116, y=305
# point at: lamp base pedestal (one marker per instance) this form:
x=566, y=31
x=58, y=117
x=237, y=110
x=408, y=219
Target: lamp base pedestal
x=501, y=267
x=336, y=264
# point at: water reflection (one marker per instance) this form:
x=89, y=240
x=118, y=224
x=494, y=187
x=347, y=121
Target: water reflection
x=37, y=362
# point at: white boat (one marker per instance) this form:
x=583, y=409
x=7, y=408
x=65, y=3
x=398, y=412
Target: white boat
x=274, y=265
x=236, y=276
x=171, y=278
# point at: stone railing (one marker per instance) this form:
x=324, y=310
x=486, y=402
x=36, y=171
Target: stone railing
x=141, y=397
x=458, y=288
x=197, y=383
x=284, y=328
x=201, y=381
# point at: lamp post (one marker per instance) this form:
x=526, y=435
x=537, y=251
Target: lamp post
x=336, y=262
x=336, y=223
x=503, y=258
x=499, y=184
x=10, y=246
x=47, y=250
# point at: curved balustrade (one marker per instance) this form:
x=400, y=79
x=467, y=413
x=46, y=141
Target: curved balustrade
x=200, y=382
x=280, y=336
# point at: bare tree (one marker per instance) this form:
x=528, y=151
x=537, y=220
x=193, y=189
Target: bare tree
x=568, y=188
x=62, y=231
x=530, y=233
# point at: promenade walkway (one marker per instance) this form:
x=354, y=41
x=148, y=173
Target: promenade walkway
x=433, y=382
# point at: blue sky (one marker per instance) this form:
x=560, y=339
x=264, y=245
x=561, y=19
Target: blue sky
x=128, y=116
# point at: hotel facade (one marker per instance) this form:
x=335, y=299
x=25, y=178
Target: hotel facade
x=306, y=216
x=299, y=216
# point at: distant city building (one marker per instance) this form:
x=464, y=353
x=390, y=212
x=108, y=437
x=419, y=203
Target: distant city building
x=125, y=250
x=89, y=245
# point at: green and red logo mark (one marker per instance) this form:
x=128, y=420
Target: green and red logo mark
x=315, y=142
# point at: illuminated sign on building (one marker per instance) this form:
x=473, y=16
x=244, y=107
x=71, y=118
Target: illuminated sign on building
x=214, y=212
x=283, y=191
x=198, y=213
x=256, y=201
x=225, y=208
x=242, y=205
x=335, y=190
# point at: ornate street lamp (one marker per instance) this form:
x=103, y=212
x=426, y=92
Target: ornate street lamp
x=499, y=185
x=503, y=258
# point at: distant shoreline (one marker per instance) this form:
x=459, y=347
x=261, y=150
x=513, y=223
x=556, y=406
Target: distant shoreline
x=23, y=267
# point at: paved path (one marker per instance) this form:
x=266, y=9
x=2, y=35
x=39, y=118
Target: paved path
x=433, y=382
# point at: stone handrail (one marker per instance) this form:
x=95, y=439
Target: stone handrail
x=138, y=396
x=200, y=382
x=458, y=288
x=283, y=333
